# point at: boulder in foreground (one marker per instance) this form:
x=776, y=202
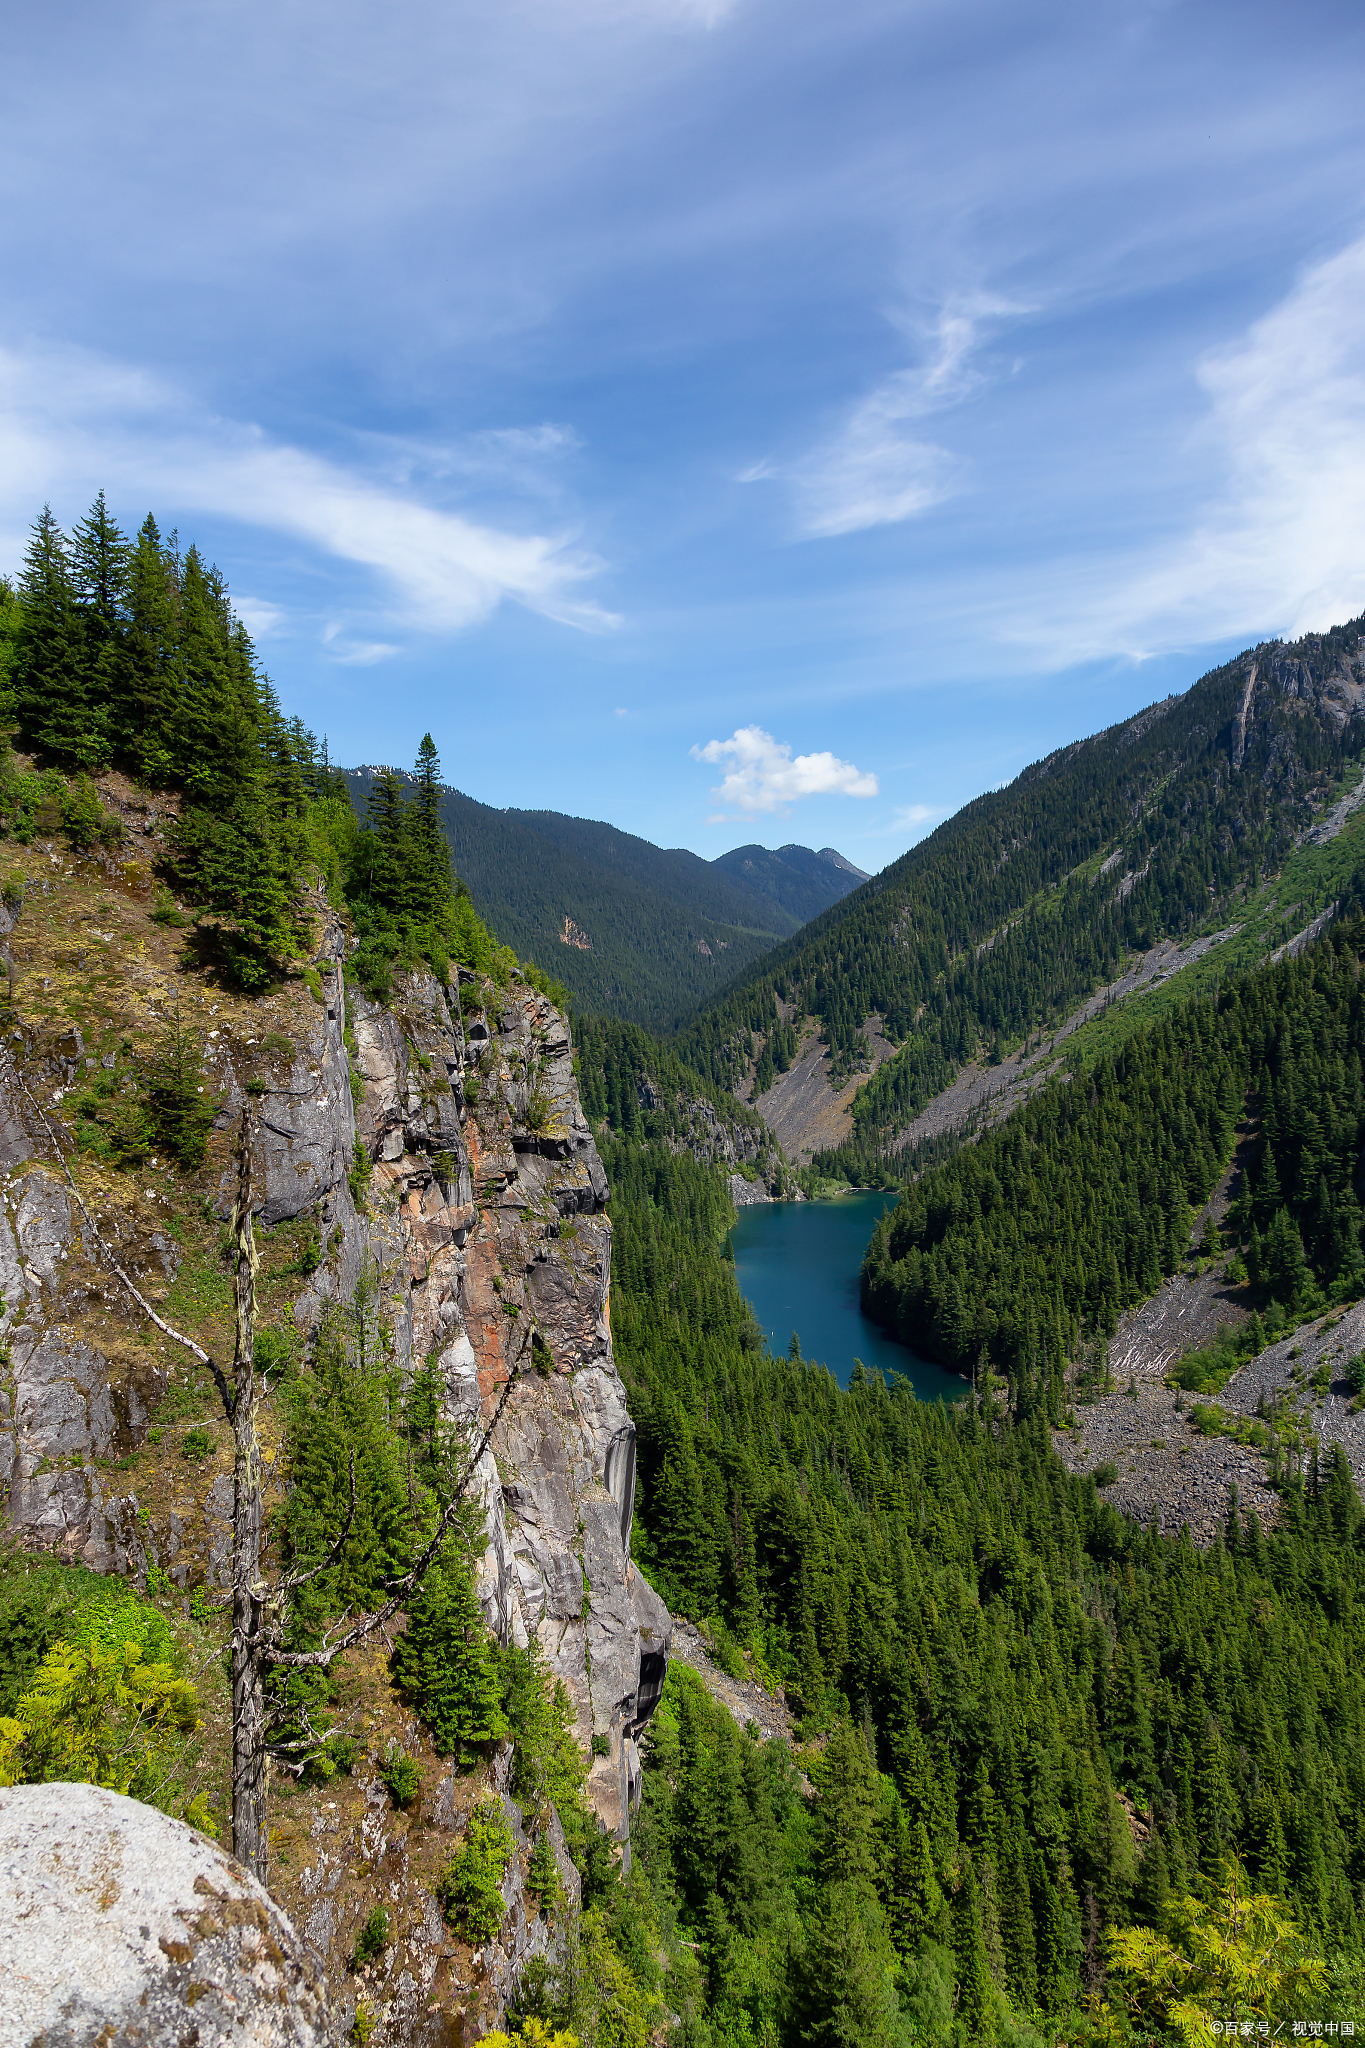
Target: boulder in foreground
x=121, y=1926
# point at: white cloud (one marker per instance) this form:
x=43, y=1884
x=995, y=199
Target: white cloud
x=762, y=776
x=354, y=653
x=256, y=615
x=1278, y=547
x=915, y=814
x=71, y=422
x=876, y=471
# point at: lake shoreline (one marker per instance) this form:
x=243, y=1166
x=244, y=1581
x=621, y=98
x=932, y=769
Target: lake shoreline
x=799, y=1265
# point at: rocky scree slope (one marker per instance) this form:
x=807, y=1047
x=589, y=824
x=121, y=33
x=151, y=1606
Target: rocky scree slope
x=481, y=1234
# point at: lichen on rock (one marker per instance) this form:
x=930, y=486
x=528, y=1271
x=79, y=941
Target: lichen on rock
x=120, y=1925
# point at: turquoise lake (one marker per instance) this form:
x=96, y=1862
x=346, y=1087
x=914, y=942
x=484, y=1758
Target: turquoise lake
x=798, y=1264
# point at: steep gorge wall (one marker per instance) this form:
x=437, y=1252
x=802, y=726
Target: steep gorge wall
x=482, y=1232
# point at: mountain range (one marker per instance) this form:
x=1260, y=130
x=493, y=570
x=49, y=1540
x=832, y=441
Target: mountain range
x=1197, y=836
x=632, y=930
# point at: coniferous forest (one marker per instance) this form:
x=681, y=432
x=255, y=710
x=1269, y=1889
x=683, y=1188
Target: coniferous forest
x=1078, y=1207
x=1051, y=1776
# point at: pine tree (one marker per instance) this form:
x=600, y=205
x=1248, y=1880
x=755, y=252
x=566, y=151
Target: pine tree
x=845, y=1991
x=151, y=657
x=100, y=557
x=1284, y=1263
x=447, y=1664
x=542, y=1875
x=56, y=708
x=976, y=2004
x=1153, y=1881
x=432, y=880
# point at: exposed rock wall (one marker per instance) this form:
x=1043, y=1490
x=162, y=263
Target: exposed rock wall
x=481, y=1231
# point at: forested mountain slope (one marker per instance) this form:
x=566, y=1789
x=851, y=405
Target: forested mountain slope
x=802, y=882
x=631, y=929
x=1169, y=825
x=1056, y=1719
x=1037, y=1238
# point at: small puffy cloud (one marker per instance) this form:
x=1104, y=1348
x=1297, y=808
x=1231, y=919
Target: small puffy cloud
x=352, y=653
x=761, y=774
x=256, y=615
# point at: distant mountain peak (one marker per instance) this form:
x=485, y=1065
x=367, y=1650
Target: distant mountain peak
x=798, y=878
x=831, y=853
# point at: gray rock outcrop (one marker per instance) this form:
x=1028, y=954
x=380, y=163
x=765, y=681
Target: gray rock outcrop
x=122, y=1928
x=483, y=1239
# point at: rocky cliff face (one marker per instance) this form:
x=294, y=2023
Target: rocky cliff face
x=480, y=1229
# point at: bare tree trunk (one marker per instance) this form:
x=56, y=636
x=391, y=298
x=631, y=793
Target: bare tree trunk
x=249, y=1836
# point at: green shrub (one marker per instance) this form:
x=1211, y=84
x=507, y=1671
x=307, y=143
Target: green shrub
x=358, y=1179
x=1106, y=1474
x=400, y=1773
x=197, y=1446
x=1208, y=1370
x=372, y=1939
x=165, y=911
x=86, y=822
x=1355, y=1373
x=90, y=1682
x=542, y=1875
x=601, y=1744
x=469, y=1888
x=554, y=991
x=1211, y=1420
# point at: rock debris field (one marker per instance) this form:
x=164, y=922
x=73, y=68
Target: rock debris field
x=743, y=1698
x=1168, y=1472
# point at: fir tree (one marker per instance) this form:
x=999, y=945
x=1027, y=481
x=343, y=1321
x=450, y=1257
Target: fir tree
x=58, y=711
x=447, y=1663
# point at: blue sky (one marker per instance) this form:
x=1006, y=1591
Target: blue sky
x=737, y=419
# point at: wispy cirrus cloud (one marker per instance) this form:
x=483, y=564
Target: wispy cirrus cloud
x=1276, y=546
x=71, y=422
x=878, y=468
x=762, y=776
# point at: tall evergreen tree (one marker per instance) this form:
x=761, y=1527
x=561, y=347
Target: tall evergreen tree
x=447, y=1661
x=58, y=710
